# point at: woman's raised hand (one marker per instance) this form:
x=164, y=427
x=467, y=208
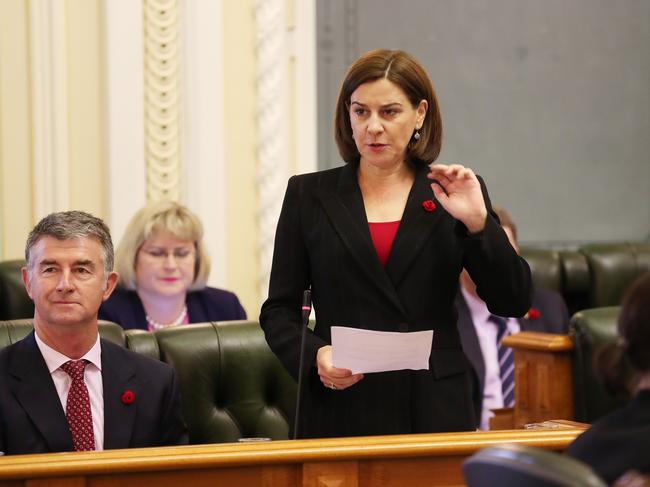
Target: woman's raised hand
x=458, y=190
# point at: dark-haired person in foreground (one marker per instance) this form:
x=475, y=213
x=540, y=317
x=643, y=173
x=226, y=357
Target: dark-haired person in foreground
x=620, y=441
x=62, y=388
x=381, y=242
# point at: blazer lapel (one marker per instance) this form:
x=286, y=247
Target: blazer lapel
x=118, y=376
x=346, y=211
x=36, y=393
x=414, y=229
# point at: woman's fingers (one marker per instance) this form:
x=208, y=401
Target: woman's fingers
x=333, y=377
x=439, y=193
x=340, y=383
x=449, y=172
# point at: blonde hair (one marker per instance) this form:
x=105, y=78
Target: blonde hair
x=161, y=217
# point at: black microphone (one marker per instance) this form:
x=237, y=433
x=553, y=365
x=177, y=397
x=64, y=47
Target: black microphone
x=306, y=311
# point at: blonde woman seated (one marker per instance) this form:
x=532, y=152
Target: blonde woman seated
x=163, y=268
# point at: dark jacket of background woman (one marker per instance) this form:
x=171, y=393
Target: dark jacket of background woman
x=323, y=241
x=208, y=304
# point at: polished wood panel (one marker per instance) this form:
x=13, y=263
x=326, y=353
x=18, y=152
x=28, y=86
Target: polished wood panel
x=503, y=419
x=543, y=377
x=381, y=461
x=543, y=342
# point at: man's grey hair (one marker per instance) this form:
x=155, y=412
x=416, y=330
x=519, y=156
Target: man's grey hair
x=71, y=225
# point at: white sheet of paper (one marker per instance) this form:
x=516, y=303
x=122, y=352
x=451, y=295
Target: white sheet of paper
x=364, y=351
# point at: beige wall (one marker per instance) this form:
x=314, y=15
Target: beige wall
x=240, y=153
x=85, y=130
x=86, y=107
x=16, y=211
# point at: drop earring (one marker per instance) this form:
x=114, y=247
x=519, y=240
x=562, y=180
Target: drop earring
x=416, y=135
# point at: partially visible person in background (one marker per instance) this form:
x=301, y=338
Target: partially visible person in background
x=481, y=333
x=620, y=441
x=163, y=268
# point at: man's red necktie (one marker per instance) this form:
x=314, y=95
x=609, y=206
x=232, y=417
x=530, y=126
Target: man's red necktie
x=77, y=409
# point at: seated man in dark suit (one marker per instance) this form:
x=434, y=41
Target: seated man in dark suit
x=481, y=334
x=62, y=388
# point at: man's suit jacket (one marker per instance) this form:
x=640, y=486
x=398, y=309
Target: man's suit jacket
x=33, y=421
x=209, y=304
x=553, y=318
x=323, y=242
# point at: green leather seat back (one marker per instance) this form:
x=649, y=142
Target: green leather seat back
x=15, y=303
x=575, y=272
x=591, y=329
x=545, y=266
x=613, y=267
x=232, y=384
x=14, y=330
x=112, y=332
x=142, y=342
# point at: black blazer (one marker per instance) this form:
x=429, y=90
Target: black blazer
x=553, y=318
x=33, y=421
x=208, y=304
x=323, y=242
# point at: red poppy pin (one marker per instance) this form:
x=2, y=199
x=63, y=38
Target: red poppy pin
x=128, y=397
x=533, y=314
x=428, y=205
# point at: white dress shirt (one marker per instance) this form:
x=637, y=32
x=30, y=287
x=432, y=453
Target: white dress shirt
x=92, y=376
x=486, y=332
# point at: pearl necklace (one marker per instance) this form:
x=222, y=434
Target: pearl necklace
x=154, y=325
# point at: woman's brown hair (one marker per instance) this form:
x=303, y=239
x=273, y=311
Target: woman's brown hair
x=402, y=69
x=620, y=362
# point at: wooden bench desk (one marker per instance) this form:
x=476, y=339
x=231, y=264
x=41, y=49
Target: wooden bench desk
x=377, y=461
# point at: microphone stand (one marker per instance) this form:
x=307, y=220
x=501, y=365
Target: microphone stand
x=306, y=310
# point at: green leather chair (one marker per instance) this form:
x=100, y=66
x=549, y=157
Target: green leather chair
x=592, y=276
x=545, y=266
x=575, y=280
x=232, y=384
x=513, y=465
x=564, y=271
x=612, y=268
x=142, y=342
x=14, y=301
x=14, y=330
x=589, y=330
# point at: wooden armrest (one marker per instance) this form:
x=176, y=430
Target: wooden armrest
x=535, y=340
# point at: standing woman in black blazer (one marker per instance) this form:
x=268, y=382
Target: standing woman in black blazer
x=381, y=242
